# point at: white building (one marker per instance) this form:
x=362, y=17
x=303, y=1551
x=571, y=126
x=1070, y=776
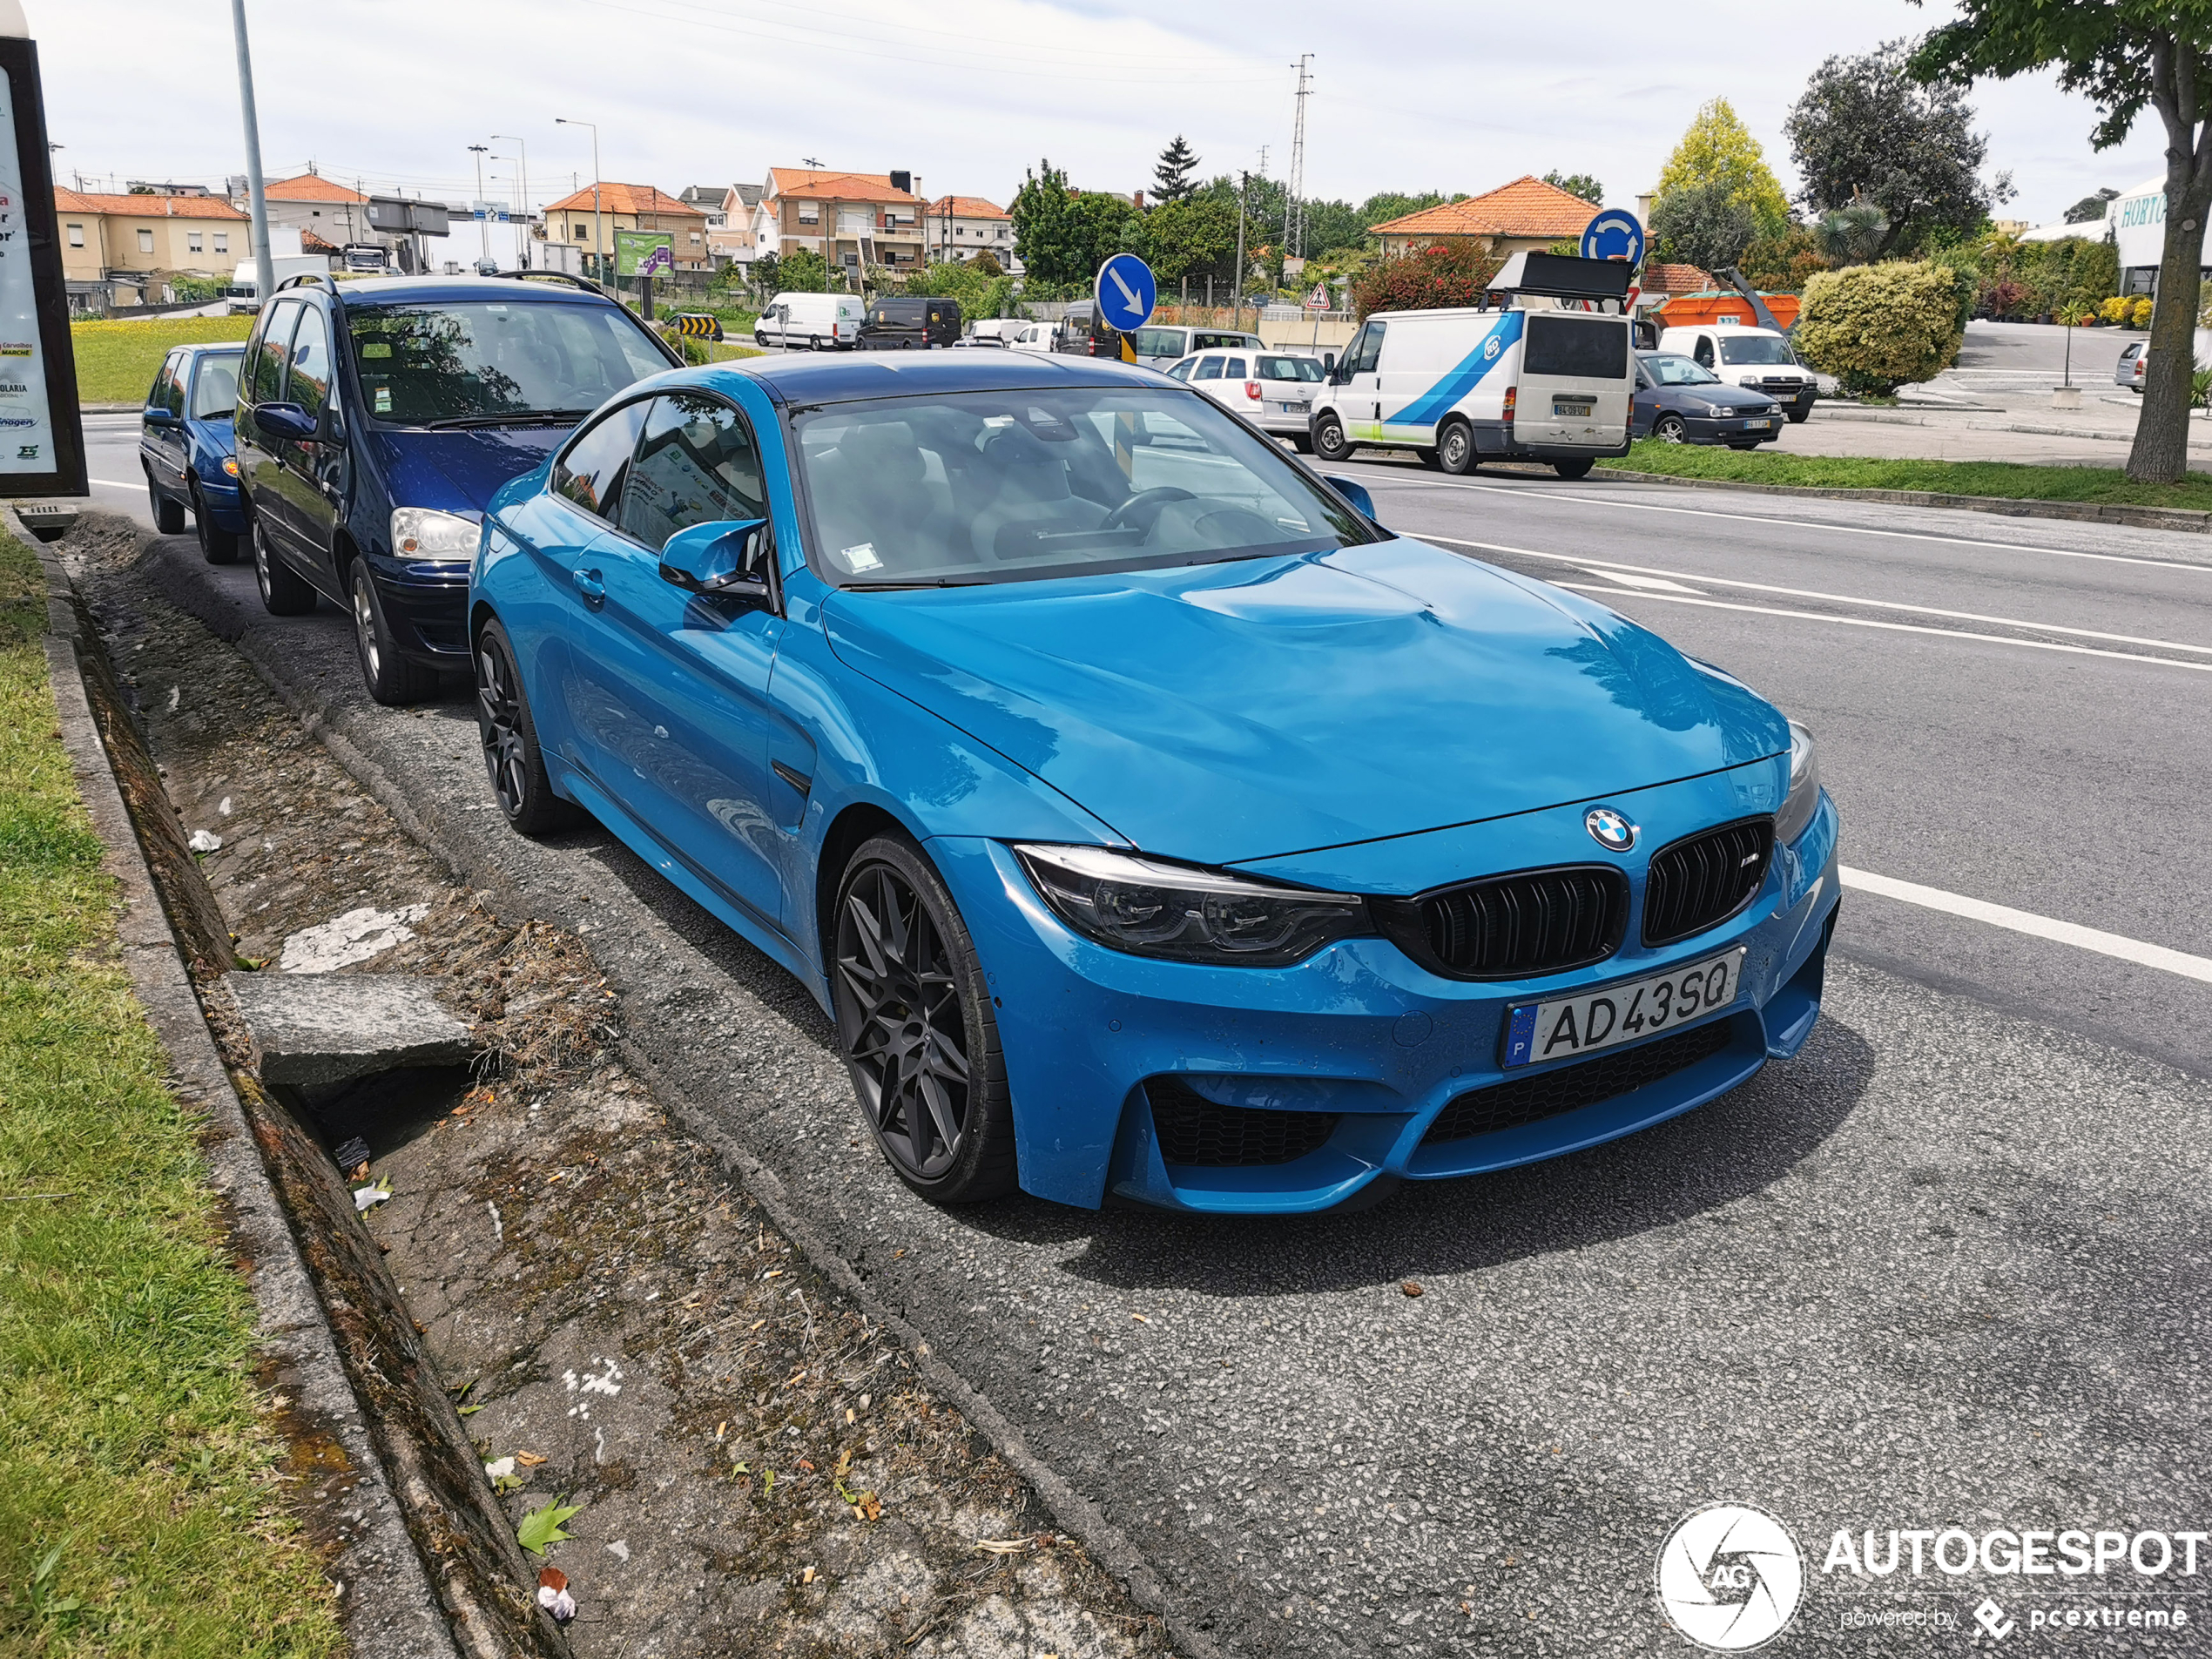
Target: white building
x=2137, y=222
x=960, y=227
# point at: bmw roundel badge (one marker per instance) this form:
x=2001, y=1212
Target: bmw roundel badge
x=1608, y=829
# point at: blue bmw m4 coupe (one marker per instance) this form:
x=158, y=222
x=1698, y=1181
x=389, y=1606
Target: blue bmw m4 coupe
x=1148, y=819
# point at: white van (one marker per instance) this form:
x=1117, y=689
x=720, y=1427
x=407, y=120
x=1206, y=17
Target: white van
x=1032, y=336
x=1758, y=358
x=1461, y=387
x=817, y=322
x=1158, y=345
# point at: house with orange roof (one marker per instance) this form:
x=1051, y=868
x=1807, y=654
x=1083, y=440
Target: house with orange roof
x=1525, y=216
x=118, y=250
x=960, y=227
x=322, y=207
x=852, y=219
x=588, y=219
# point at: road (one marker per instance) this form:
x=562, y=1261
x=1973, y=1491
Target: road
x=1943, y=1269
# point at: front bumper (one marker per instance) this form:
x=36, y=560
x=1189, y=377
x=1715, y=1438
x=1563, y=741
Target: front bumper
x=223, y=504
x=1357, y=1031
x=426, y=606
x=1705, y=428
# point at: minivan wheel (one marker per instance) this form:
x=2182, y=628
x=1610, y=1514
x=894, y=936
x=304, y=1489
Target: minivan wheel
x=914, y=1024
x=1455, y=448
x=1573, y=468
x=168, y=516
x=1329, y=442
x=217, y=546
x=284, y=591
x=512, y=759
x=392, y=679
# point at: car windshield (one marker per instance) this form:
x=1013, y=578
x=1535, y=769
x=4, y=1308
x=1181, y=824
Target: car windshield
x=1756, y=349
x=1678, y=371
x=1290, y=368
x=490, y=361
x=989, y=486
x=214, y=391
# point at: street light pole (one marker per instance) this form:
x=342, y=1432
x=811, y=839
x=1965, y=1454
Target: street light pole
x=524, y=234
x=484, y=224
x=257, y=203
x=563, y=121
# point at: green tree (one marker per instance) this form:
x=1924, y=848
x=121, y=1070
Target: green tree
x=1063, y=236
x=1718, y=147
x=1438, y=280
x=1866, y=131
x=1855, y=233
x=1334, y=224
x=1782, y=264
x=1578, y=184
x=1386, y=205
x=2126, y=56
x=1703, y=224
x=2090, y=207
x=1171, y=178
x=1876, y=327
x=802, y=270
x=1194, y=239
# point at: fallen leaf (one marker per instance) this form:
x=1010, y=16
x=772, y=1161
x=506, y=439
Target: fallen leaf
x=1411, y=1287
x=470, y=1410
x=806, y=1465
x=543, y=1526
x=870, y=1508
x=528, y=1459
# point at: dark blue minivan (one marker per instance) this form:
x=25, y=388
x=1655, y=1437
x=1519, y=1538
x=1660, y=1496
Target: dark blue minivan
x=376, y=420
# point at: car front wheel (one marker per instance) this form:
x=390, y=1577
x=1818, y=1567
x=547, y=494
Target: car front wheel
x=391, y=678
x=914, y=1024
x=217, y=545
x=512, y=757
x=1670, y=428
x=1329, y=442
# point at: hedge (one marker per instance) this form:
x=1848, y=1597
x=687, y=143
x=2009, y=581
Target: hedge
x=1876, y=327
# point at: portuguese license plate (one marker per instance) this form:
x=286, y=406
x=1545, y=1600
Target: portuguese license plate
x=1758, y=423
x=1293, y=408
x=1568, y=1026
x=1582, y=409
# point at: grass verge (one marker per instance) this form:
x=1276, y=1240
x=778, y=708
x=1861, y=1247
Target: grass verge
x=139, y=1483
x=116, y=360
x=2102, y=486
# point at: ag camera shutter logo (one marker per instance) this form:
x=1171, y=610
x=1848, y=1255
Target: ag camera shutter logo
x=1731, y=1577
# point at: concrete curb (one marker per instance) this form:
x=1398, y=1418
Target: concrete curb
x=2154, y=518
x=386, y=1604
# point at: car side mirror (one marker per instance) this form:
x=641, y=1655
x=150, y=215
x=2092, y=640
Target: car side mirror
x=286, y=422
x=1354, y=492
x=160, y=415
x=718, y=559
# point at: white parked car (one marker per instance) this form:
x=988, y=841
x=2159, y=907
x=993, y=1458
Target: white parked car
x=1758, y=359
x=1272, y=389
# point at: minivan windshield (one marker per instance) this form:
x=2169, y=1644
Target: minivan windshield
x=973, y=489
x=488, y=362
x=1756, y=349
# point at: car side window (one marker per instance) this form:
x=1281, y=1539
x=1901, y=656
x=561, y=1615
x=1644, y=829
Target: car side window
x=1233, y=369
x=271, y=350
x=697, y=462
x=1209, y=369
x=591, y=471
x=307, y=383
x=1704, y=354
x=168, y=391
x=1182, y=370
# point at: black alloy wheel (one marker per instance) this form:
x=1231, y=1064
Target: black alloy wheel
x=915, y=1023
x=1455, y=448
x=217, y=546
x=284, y=591
x=512, y=759
x=1329, y=442
x=1670, y=428
x=168, y=516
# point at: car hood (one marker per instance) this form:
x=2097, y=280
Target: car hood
x=1224, y=712
x=1728, y=393
x=459, y=471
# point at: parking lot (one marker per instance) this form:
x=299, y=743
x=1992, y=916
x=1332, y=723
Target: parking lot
x=1940, y=1270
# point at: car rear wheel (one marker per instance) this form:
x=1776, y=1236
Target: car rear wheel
x=1670, y=428
x=284, y=591
x=914, y=1024
x=1455, y=448
x=1798, y=417
x=217, y=546
x=168, y=516
x=512, y=759
x=815, y=344
x=1329, y=442
x=1573, y=468
x=391, y=678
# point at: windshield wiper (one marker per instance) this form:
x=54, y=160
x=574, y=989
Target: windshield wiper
x=508, y=417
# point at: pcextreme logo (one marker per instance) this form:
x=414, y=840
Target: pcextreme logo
x=1731, y=1577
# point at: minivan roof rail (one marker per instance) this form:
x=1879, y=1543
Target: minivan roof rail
x=303, y=278
x=585, y=283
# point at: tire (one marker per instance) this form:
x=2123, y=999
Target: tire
x=284, y=591
x=914, y=1024
x=1798, y=417
x=761, y=339
x=1302, y=443
x=168, y=516
x=391, y=678
x=1670, y=428
x=1573, y=468
x=814, y=344
x=1455, y=450
x=512, y=759
x=217, y=546
x=1329, y=442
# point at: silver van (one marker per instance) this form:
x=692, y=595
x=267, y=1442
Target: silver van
x=1160, y=347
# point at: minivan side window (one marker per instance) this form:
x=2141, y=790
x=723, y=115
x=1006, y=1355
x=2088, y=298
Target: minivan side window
x=270, y=352
x=591, y=472
x=1369, y=349
x=698, y=462
x=308, y=383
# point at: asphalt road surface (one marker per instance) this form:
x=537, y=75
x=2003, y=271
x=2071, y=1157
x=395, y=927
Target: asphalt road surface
x=1944, y=1269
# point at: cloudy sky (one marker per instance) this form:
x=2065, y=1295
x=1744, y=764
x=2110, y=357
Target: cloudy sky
x=1410, y=96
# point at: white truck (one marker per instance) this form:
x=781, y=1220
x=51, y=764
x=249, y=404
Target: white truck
x=1759, y=359
x=1531, y=375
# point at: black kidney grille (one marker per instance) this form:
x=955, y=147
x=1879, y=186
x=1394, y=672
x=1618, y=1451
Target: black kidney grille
x=1569, y=1088
x=1705, y=879
x=1195, y=1130
x=1507, y=927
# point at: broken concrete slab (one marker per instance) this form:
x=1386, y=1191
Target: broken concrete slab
x=340, y=942
x=318, y=1032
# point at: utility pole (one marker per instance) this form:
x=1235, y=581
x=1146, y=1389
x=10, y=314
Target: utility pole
x=523, y=236
x=257, y=203
x=484, y=224
x=563, y=121
x=1294, y=206
x=1243, y=190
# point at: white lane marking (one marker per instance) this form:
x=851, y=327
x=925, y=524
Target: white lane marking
x=1891, y=627
x=1620, y=573
x=2024, y=922
x=1789, y=524
x=114, y=484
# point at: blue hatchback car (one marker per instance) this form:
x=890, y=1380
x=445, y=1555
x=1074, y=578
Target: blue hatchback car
x=187, y=447
x=1149, y=819
x=376, y=418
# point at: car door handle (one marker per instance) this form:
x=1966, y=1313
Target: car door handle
x=588, y=584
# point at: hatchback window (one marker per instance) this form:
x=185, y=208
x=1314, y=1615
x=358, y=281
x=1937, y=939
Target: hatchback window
x=1670, y=370
x=1290, y=368
x=1209, y=369
x=978, y=488
x=591, y=472
x=308, y=384
x=1233, y=369
x=1756, y=349
x=1182, y=370
x=697, y=463
x=493, y=361
x=215, y=389
x=275, y=345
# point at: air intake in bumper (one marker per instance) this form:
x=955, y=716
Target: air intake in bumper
x=1569, y=1088
x=1200, y=1133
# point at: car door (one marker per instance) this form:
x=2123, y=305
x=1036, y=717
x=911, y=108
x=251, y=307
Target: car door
x=163, y=447
x=315, y=472
x=692, y=726
x=261, y=471
x=1643, y=403
x=1361, y=398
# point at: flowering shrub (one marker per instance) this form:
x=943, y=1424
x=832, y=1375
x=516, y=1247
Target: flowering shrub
x=1876, y=327
x=1431, y=280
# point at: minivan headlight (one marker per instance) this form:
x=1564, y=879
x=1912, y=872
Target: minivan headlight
x=1798, y=806
x=425, y=533
x=1187, y=914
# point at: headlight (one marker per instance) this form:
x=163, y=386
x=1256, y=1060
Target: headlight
x=1805, y=788
x=422, y=533
x=230, y=465
x=1719, y=411
x=1185, y=914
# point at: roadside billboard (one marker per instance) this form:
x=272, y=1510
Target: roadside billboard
x=42, y=444
x=642, y=253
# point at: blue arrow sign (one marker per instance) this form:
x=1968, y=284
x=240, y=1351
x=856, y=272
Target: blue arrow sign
x=1125, y=292
x=1614, y=235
